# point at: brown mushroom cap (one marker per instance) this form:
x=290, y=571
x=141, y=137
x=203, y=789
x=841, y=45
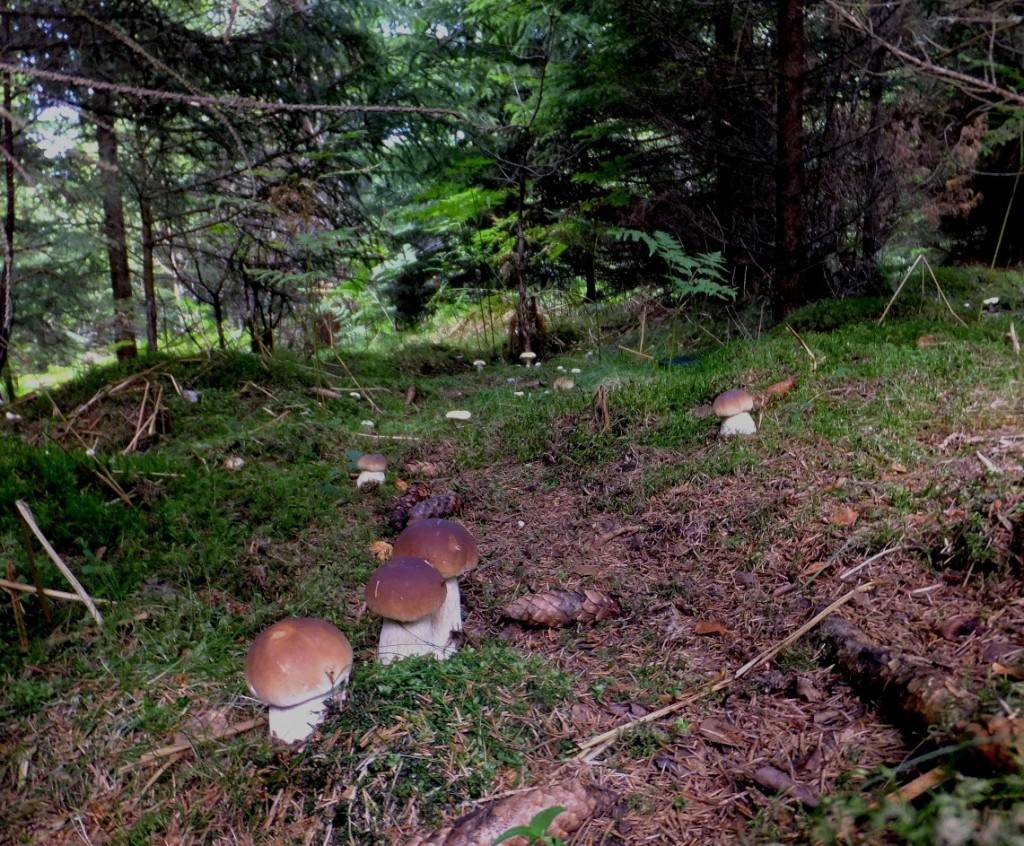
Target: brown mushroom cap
x=374, y=462
x=733, y=402
x=445, y=544
x=405, y=589
x=297, y=659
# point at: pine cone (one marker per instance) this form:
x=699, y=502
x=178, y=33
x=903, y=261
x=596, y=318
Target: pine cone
x=444, y=505
x=560, y=607
x=400, y=508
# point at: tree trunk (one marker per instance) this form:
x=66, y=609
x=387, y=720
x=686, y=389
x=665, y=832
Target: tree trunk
x=113, y=227
x=871, y=238
x=148, y=275
x=723, y=112
x=218, y=318
x=589, y=275
x=524, y=343
x=7, y=272
x=789, y=240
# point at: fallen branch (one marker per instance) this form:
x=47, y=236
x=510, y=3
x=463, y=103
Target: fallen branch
x=920, y=785
x=592, y=747
x=635, y=352
x=7, y=584
x=178, y=748
x=384, y=437
x=26, y=514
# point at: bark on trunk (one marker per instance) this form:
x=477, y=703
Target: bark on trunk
x=7, y=273
x=871, y=240
x=113, y=227
x=789, y=237
x=725, y=167
x=148, y=275
x=218, y=318
x=920, y=700
x=590, y=276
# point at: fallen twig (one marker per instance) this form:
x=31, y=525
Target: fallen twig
x=622, y=530
x=359, y=387
x=920, y=785
x=7, y=584
x=1014, y=340
x=854, y=570
x=635, y=352
x=589, y=749
x=384, y=437
x=27, y=516
x=178, y=748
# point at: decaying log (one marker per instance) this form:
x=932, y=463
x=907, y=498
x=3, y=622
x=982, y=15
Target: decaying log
x=484, y=825
x=921, y=700
x=560, y=607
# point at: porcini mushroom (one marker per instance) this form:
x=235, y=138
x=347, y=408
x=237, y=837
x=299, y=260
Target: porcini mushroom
x=297, y=666
x=451, y=549
x=735, y=406
x=372, y=461
x=407, y=592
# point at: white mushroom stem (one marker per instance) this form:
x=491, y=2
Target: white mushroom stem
x=369, y=477
x=299, y=721
x=448, y=619
x=406, y=640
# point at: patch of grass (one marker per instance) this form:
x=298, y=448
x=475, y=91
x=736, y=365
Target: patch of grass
x=435, y=733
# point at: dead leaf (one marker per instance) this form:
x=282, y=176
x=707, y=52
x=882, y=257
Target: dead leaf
x=844, y=515
x=484, y=825
x=806, y=690
x=957, y=627
x=774, y=779
x=401, y=485
x=1015, y=673
x=709, y=627
x=780, y=388
x=896, y=467
x=814, y=568
x=926, y=342
x=718, y=732
x=381, y=550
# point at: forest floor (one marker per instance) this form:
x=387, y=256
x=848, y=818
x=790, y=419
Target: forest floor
x=905, y=439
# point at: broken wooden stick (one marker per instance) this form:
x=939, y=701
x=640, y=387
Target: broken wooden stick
x=178, y=748
x=592, y=747
x=26, y=514
x=8, y=584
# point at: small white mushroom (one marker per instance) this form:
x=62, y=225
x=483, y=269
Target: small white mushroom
x=458, y=415
x=527, y=358
x=575, y=370
x=355, y=394
x=560, y=369
x=564, y=383
x=479, y=364
x=367, y=424
x=234, y=462
x=189, y=395
x=519, y=393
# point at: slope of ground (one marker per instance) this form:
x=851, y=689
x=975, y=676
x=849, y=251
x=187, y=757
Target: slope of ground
x=715, y=551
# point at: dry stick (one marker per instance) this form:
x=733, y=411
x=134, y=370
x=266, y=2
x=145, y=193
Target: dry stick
x=942, y=293
x=26, y=514
x=7, y=584
x=19, y=613
x=807, y=349
x=899, y=288
x=635, y=352
x=854, y=570
x=99, y=469
x=609, y=737
x=177, y=748
x=1014, y=341
x=920, y=785
x=359, y=387
x=385, y=437
x=30, y=553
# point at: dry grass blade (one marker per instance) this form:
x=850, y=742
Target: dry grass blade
x=807, y=349
x=27, y=516
x=178, y=748
x=594, y=745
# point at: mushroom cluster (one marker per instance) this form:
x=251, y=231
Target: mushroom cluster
x=299, y=666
